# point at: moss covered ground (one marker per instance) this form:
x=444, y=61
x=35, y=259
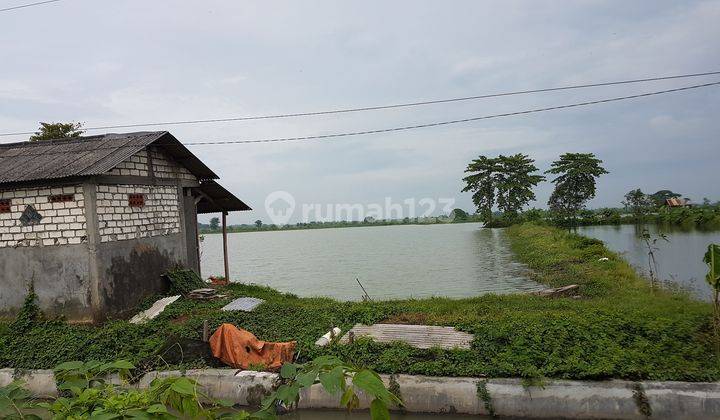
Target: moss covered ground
x=618, y=328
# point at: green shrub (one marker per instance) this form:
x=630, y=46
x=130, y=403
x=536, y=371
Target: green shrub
x=183, y=281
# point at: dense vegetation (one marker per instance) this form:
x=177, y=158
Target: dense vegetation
x=85, y=393
x=704, y=216
x=618, y=328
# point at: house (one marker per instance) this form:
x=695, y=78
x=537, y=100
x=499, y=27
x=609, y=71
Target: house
x=94, y=221
x=677, y=202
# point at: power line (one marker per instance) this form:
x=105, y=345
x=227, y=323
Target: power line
x=22, y=6
x=418, y=126
x=380, y=107
x=435, y=124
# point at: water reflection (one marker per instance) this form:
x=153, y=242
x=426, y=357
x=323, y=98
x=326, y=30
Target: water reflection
x=453, y=260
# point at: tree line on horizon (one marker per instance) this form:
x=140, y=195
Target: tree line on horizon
x=508, y=182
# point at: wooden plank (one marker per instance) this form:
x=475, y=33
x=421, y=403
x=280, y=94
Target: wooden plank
x=418, y=336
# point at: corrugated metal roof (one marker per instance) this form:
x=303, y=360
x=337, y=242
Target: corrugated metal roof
x=220, y=199
x=88, y=156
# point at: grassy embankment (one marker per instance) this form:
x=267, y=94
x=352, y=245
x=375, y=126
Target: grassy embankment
x=618, y=329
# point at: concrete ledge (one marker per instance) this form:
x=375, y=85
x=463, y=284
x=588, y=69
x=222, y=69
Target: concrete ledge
x=40, y=382
x=425, y=394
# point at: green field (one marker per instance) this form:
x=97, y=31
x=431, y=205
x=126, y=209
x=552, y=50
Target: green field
x=618, y=328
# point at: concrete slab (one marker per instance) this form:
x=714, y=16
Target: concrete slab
x=153, y=311
x=425, y=394
x=247, y=304
x=418, y=336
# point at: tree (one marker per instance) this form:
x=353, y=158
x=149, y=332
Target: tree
x=53, y=131
x=459, y=215
x=481, y=183
x=638, y=202
x=662, y=195
x=515, y=182
x=507, y=180
x=258, y=224
x=214, y=223
x=575, y=184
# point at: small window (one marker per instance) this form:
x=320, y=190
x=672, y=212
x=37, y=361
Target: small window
x=136, y=200
x=5, y=205
x=61, y=198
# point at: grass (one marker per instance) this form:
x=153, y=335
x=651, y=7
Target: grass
x=619, y=328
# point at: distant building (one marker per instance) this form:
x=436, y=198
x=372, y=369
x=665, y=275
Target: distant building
x=94, y=221
x=678, y=202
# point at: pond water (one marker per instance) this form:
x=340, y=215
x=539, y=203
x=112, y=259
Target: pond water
x=679, y=260
x=452, y=260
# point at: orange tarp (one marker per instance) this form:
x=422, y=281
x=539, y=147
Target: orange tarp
x=240, y=349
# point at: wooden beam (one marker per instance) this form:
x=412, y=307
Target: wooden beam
x=225, y=246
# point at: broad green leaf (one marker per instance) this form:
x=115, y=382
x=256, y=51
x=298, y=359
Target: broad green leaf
x=369, y=382
x=347, y=397
x=105, y=416
x=379, y=410
x=288, y=394
x=69, y=366
x=122, y=364
x=139, y=415
x=712, y=259
x=268, y=401
x=332, y=381
x=224, y=403
x=17, y=393
x=92, y=364
x=190, y=407
x=288, y=371
x=76, y=385
x=307, y=379
x=282, y=392
x=157, y=408
x=183, y=386
x=326, y=361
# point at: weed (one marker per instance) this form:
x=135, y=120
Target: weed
x=183, y=281
x=641, y=400
x=484, y=395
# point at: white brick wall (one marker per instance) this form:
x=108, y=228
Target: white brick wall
x=118, y=221
x=165, y=167
x=136, y=165
x=62, y=223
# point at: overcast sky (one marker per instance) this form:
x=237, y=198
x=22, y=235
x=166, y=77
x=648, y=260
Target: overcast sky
x=113, y=62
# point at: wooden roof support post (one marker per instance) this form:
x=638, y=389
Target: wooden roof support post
x=225, y=247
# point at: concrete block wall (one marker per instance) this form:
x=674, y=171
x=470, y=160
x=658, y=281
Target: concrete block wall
x=118, y=221
x=136, y=165
x=62, y=222
x=166, y=167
